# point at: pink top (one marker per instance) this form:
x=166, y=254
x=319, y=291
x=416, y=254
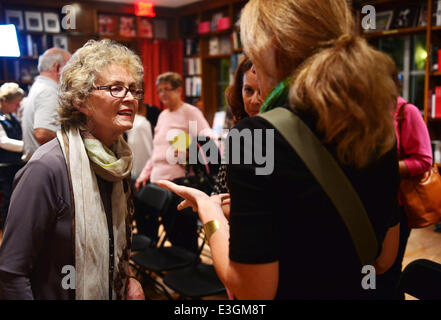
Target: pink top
x=416, y=149
x=158, y=168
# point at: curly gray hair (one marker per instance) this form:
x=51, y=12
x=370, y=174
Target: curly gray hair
x=79, y=75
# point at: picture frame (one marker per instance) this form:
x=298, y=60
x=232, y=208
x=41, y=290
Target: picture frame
x=51, y=22
x=33, y=21
x=145, y=28
x=406, y=17
x=106, y=25
x=383, y=20
x=61, y=42
x=127, y=27
x=15, y=17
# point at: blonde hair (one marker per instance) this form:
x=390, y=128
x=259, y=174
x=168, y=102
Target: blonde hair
x=79, y=75
x=10, y=91
x=336, y=76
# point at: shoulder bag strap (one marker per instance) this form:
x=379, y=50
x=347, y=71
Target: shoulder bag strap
x=400, y=120
x=331, y=178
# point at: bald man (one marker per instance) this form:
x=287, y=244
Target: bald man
x=40, y=118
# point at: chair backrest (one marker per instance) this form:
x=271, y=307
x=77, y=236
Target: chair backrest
x=155, y=197
x=422, y=279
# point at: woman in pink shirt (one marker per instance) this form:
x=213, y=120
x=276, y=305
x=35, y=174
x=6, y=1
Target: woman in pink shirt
x=175, y=118
x=415, y=158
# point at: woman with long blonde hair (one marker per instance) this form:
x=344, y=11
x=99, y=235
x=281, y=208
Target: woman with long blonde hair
x=285, y=239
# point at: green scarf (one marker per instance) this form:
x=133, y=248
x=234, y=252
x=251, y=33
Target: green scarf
x=277, y=97
x=111, y=165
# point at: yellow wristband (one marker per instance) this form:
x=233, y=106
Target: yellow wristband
x=210, y=227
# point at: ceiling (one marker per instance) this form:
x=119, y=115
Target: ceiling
x=158, y=3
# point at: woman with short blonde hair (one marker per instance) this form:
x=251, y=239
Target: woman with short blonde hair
x=11, y=143
x=285, y=238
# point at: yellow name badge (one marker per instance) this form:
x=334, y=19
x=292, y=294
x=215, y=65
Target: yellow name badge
x=181, y=142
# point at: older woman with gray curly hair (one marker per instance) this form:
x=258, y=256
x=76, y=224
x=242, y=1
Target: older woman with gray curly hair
x=69, y=228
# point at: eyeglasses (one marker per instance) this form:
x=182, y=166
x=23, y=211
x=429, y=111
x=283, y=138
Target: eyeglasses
x=118, y=91
x=164, y=90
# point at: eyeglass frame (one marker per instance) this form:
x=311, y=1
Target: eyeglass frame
x=166, y=90
x=119, y=85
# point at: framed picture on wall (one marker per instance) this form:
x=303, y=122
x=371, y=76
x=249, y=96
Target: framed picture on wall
x=384, y=20
x=61, y=42
x=106, y=25
x=145, y=28
x=51, y=22
x=15, y=17
x=34, y=21
x=405, y=18
x=127, y=27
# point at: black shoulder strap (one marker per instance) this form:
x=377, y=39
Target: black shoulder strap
x=331, y=178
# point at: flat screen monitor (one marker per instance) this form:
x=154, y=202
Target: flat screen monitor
x=9, y=42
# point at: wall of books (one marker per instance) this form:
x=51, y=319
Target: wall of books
x=210, y=30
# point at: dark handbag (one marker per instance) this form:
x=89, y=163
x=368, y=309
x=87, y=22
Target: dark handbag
x=421, y=195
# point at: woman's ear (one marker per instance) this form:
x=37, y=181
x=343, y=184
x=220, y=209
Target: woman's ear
x=81, y=108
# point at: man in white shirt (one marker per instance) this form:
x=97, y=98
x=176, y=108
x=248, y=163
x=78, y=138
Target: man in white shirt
x=40, y=118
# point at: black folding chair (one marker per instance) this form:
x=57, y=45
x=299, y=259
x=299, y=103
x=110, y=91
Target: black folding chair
x=157, y=259
x=195, y=281
x=422, y=280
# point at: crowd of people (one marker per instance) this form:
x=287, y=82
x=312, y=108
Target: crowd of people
x=71, y=167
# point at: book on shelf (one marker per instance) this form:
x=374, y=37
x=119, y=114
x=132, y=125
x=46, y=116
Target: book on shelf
x=191, y=47
x=193, y=86
x=213, y=46
x=215, y=21
x=422, y=16
x=235, y=39
x=433, y=57
x=235, y=59
x=429, y=103
x=223, y=23
x=437, y=13
x=192, y=66
x=204, y=27
x=435, y=111
x=225, y=45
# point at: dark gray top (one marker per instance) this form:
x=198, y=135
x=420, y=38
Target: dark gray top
x=37, y=240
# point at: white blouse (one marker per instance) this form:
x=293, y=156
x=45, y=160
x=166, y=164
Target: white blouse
x=8, y=143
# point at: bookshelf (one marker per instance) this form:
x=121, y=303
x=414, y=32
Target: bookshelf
x=38, y=28
x=427, y=22
x=212, y=27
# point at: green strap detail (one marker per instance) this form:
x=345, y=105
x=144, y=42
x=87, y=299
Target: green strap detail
x=332, y=179
x=277, y=97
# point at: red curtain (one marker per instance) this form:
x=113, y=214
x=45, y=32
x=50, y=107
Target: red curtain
x=159, y=56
